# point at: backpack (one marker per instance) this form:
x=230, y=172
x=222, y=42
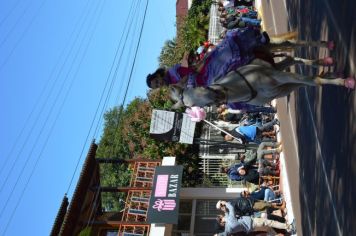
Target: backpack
x=243, y=206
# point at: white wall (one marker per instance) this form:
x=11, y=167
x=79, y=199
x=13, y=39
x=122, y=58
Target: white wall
x=209, y=193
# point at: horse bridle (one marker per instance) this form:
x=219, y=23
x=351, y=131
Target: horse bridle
x=223, y=95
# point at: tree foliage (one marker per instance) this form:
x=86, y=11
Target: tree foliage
x=195, y=31
x=191, y=33
x=126, y=135
x=171, y=53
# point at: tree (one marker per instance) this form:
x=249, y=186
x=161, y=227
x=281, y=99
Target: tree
x=126, y=135
x=170, y=54
x=192, y=31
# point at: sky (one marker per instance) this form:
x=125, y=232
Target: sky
x=55, y=60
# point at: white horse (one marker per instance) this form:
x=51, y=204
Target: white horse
x=257, y=83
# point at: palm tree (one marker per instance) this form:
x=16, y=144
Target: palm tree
x=170, y=53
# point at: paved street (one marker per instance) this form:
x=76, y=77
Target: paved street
x=318, y=123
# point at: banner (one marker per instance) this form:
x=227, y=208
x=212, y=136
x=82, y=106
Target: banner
x=172, y=126
x=164, y=201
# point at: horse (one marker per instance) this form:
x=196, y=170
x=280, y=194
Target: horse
x=256, y=83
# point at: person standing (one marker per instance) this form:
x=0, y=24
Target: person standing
x=250, y=133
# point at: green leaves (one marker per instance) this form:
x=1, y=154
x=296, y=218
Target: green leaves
x=126, y=135
x=171, y=53
x=191, y=32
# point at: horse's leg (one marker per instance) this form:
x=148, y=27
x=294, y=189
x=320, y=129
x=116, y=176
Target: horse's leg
x=280, y=55
x=331, y=81
x=285, y=63
x=290, y=61
x=316, y=80
x=282, y=44
x=287, y=88
x=327, y=61
x=293, y=78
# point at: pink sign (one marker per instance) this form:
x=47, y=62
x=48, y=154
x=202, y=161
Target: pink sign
x=161, y=186
x=164, y=205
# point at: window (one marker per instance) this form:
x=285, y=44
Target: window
x=184, y=218
x=205, y=215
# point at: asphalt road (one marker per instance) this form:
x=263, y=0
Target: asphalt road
x=318, y=124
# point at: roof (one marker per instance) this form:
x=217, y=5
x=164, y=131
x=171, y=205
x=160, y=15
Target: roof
x=60, y=217
x=80, y=199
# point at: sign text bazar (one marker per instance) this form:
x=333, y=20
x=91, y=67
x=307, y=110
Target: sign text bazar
x=164, y=202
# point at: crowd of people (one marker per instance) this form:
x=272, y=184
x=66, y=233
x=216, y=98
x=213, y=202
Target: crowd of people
x=261, y=208
x=237, y=16
x=242, y=215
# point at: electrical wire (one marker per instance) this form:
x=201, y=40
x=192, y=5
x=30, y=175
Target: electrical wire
x=134, y=61
x=128, y=82
x=115, y=76
x=93, y=206
x=21, y=36
x=54, y=123
x=3, y=41
x=44, y=125
x=47, y=100
x=98, y=106
x=42, y=93
x=10, y=12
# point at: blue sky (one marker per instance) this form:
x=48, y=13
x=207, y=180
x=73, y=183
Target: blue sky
x=55, y=57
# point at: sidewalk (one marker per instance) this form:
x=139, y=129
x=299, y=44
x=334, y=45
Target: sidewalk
x=275, y=21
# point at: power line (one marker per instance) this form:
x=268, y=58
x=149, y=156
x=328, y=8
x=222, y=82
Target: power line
x=93, y=206
x=10, y=12
x=117, y=67
x=46, y=120
x=47, y=100
x=133, y=64
x=15, y=25
x=128, y=62
x=75, y=29
x=58, y=114
x=101, y=97
x=21, y=36
x=128, y=84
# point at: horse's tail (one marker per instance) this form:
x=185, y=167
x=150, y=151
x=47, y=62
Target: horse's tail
x=283, y=37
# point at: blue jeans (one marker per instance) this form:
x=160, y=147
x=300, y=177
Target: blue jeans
x=252, y=22
x=269, y=195
x=261, y=109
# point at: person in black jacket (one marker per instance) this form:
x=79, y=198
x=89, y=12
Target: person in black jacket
x=249, y=173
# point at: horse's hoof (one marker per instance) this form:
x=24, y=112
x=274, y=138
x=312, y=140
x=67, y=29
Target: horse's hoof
x=349, y=83
x=331, y=45
x=328, y=61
